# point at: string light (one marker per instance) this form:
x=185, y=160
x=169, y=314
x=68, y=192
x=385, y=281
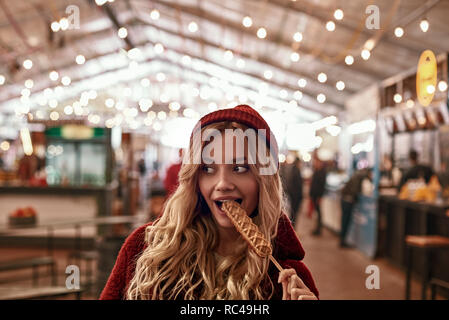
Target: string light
x=193, y=27
x=424, y=25
x=322, y=77
x=294, y=57
x=321, y=98
x=302, y=83
x=365, y=54
x=66, y=80
x=158, y=48
x=80, y=59
x=297, y=36
x=28, y=64
x=2, y=79
x=340, y=85
x=261, y=33
x=55, y=26
x=145, y=82
x=398, y=32
x=122, y=33
x=64, y=23
x=247, y=22
x=349, y=60
x=442, y=86
x=430, y=89
x=397, y=98
x=155, y=14
x=268, y=74
x=330, y=26
x=29, y=83
x=240, y=63
x=338, y=14
x=53, y=75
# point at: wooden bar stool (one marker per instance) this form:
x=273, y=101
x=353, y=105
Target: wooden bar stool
x=429, y=244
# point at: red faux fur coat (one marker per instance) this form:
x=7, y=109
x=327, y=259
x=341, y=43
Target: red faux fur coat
x=287, y=251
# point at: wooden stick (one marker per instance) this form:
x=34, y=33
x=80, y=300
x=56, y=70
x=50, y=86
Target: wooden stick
x=275, y=263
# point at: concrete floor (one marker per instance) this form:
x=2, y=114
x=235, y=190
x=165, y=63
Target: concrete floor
x=340, y=273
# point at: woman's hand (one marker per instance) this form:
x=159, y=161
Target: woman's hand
x=293, y=288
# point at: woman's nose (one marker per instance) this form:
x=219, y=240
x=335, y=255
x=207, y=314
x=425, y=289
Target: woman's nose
x=224, y=180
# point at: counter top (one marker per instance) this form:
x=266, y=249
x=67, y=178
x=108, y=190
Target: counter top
x=418, y=205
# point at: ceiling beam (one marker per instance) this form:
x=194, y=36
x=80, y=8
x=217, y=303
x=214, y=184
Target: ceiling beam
x=239, y=28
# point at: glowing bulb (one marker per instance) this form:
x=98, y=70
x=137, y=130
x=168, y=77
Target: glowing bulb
x=80, y=59
x=155, y=14
x=338, y=14
x=158, y=48
x=122, y=33
x=193, y=27
x=340, y=85
x=109, y=102
x=349, y=60
x=294, y=57
x=160, y=77
x=424, y=25
x=261, y=33
x=268, y=74
x=29, y=83
x=55, y=26
x=322, y=77
x=321, y=98
x=28, y=64
x=397, y=98
x=66, y=80
x=365, y=54
x=442, y=86
x=247, y=22
x=53, y=76
x=330, y=26
x=297, y=95
x=302, y=83
x=297, y=36
x=430, y=89
x=283, y=94
x=2, y=79
x=398, y=32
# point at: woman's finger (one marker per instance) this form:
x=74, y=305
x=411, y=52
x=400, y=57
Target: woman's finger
x=298, y=282
x=285, y=294
x=296, y=293
x=285, y=274
x=307, y=297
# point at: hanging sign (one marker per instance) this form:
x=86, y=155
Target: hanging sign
x=426, y=77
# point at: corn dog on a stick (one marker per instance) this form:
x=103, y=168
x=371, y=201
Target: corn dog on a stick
x=249, y=231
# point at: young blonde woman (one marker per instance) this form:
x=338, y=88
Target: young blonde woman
x=193, y=251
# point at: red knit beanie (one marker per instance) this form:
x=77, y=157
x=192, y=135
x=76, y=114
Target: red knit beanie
x=243, y=114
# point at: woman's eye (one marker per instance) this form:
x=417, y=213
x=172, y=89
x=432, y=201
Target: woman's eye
x=241, y=169
x=207, y=169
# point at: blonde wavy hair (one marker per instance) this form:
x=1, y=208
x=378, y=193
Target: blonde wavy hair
x=179, y=261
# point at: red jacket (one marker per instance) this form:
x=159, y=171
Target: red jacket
x=287, y=251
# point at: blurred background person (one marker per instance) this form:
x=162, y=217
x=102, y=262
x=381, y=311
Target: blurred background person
x=293, y=183
x=416, y=171
x=349, y=195
x=317, y=188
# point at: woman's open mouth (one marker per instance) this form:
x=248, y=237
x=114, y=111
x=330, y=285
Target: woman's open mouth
x=219, y=203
